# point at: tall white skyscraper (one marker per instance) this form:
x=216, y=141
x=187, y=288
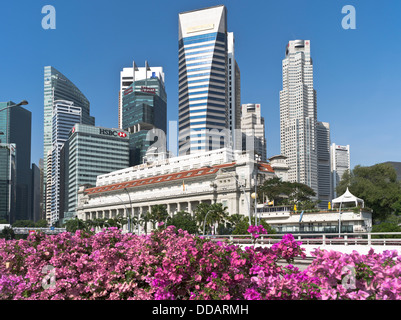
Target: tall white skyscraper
x=340, y=162
x=65, y=116
x=58, y=87
x=298, y=114
x=202, y=80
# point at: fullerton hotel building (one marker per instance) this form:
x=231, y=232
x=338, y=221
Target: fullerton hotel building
x=180, y=183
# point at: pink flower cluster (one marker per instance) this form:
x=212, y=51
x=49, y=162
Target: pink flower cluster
x=358, y=277
x=288, y=248
x=256, y=231
x=172, y=264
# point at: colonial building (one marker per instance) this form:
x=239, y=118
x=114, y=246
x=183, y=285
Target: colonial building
x=180, y=183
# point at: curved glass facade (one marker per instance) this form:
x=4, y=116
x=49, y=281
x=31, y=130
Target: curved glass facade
x=202, y=77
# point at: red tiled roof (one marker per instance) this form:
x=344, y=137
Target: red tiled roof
x=158, y=179
x=263, y=166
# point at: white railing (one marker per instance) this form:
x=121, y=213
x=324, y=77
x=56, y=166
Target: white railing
x=45, y=230
x=325, y=239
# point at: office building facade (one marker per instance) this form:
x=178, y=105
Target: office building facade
x=253, y=130
x=234, y=94
x=325, y=191
x=298, y=114
x=130, y=74
x=340, y=163
x=15, y=162
x=203, y=86
x=144, y=114
x=58, y=87
x=89, y=152
x=65, y=116
x=179, y=183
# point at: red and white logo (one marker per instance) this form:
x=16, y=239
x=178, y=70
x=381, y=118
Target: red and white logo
x=73, y=130
x=122, y=134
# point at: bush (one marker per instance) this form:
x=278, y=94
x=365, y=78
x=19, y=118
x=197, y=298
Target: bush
x=172, y=264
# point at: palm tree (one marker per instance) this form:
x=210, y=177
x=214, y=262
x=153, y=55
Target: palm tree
x=218, y=214
x=159, y=213
x=144, y=219
x=208, y=215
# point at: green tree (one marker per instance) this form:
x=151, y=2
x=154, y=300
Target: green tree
x=75, y=224
x=158, y=213
x=287, y=193
x=232, y=221
x=214, y=214
x=242, y=226
x=377, y=185
x=7, y=233
x=41, y=223
x=183, y=220
x=23, y=224
x=144, y=219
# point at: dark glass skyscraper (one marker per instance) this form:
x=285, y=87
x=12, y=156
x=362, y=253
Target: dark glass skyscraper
x=15, y=162
x=144, y=109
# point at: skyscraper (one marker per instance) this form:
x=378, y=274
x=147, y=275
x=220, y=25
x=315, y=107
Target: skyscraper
x=58, y=87
x=203, y=86
x=15, y=162
x=298, y=114
x=145, y=112
x=340, y=162
x=234, y=94
x=65, y=116
x=128, y=76
x=89, y=151
x=323, y=164
x=253, y=130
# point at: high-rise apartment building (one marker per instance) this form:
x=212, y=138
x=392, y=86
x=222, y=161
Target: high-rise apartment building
x=203, y=86
x=58, y=87
x=253, y=130
x=340, y=162
x=323, y=164
x=298, y=114
x=15, y=162
x=89, y=152
x=144, y=113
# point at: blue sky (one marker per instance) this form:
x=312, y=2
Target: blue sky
x=357, y=73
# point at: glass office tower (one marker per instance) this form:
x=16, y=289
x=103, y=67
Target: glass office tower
x=58, y=87
x=203, y=87
x=144, y=109
x=15, y=162
x=65, y=116
x=89, y=151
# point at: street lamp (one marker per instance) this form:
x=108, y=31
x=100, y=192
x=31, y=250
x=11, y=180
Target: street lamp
x=126, y=210
x=129, y=218
x=22, y=103
x=339, y=219
x=204, y=222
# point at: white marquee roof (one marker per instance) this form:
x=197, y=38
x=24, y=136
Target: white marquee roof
x=348, y=197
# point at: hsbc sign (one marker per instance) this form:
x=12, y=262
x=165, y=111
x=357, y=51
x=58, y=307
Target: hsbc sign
x=114, y=133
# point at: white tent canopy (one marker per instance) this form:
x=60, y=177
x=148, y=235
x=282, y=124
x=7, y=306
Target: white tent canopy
x=347, y=198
